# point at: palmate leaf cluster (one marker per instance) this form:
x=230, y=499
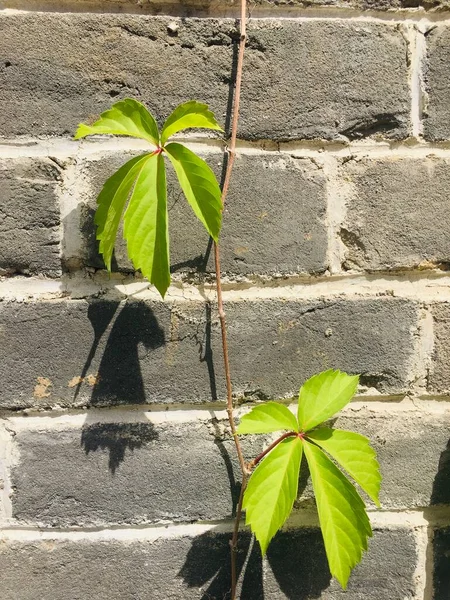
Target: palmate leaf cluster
x=273, y=486
x=141, y=182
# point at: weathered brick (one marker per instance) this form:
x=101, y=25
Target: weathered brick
x=439, y=377
x=441, y=575
x=297, y=568
x=437, y=112
x=402, y=439
x=137, y=472
x=130, y=472
x=29, y=216
x=263, y=231
x=189, y=567
x=170, y=352
x=394, y=213
x=301, y=79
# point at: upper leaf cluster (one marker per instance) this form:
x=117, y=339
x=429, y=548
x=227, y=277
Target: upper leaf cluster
x=142, y=181
x=273, y=486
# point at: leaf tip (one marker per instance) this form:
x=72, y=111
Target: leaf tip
x=82, y=131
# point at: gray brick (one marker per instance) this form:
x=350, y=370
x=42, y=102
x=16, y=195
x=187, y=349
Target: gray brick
x=137, y=472
x=113, y=473
x=298, y=568
x=439, y=378
x=29, y=223
x=170, y=352
x=394, y=215
x=199, y=567
x=437, y=112
x=263, y=231
x=441, y=575
x=402, y=439
x=301, y=79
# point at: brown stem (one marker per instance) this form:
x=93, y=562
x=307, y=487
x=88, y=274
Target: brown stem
x=256, y=460
x=226, y=183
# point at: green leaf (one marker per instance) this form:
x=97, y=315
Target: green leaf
x=111, y=203
x=272, y=489
x=146, y=224
x=343, y=519
x=323, y=395
x=353, y=452
x=267, y=418
x=188, y=115
x=127, y=117
x=199, y=185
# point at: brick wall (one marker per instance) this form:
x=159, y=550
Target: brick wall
x=118, y=478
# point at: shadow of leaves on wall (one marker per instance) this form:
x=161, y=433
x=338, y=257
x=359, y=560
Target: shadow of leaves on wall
x=441, y=486
x=133, y=329
x=117, y=438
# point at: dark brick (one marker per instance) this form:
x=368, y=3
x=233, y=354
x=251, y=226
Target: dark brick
x=437, y=112
x=199, y=568
x=129, y=472
x=343, y=78
x=439, y=378
x=263, y=231
x=298, y=569
x=136, y=472
x=441, y=575
x=29, y=217
x=170, y=352
x=394, y=217
x=402, y=439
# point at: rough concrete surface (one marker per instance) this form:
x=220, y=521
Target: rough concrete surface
x=139, y=472
x=106, y=352
x=115, y=473
x=199, y=568
x=394, y=217
x=439, y=378
x=29, y=217
x=437, y=111
x=344, y=79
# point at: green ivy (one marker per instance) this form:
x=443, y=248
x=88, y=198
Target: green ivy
x=141, y=182
x=273, y=486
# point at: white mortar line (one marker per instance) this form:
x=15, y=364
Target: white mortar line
x=71, y=194
x=8, y=457
x=420, y=286
x=418, y=54
x=421, y=539
x=221, y=10
x=57, y=420
x=422, y=357
x=101, y=147
x=410, y=520
x=336, y=211
x=123, y=534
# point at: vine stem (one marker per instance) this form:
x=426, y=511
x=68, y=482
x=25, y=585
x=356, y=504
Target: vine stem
x=223, y=326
